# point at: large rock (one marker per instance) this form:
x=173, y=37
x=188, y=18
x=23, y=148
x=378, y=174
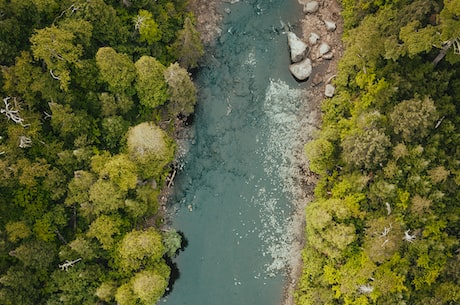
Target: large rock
x=298, y=48
x=323, y=49
x=311, y=7
x=301, y=70
x=330, y=25
x=313, y=39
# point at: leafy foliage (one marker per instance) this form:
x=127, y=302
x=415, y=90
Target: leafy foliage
x=79, y=84
x=383, y=228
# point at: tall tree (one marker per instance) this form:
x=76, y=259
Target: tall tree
x=57, y=48
x=150, y=83
x=116, y=69
x=188, y=47
x=181, y=90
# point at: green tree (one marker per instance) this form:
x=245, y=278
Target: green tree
x=181, y=90
x=67, y=122
x=319, y=152
x=366, y=148
x=105, y=197
x=151, y=148
x=147, y=27
x=150, y=83
x=17, y=230
x=121, y=171
x=149, y=286
x=35, y=254
x=139, y=249
x=57, y=48
x=117, y=70
x=188, y=48
x=106, y=228
x=413, y=118
x=125, y=295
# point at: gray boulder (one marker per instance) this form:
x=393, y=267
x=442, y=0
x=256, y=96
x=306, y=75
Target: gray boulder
x=298, y=48
x=329, y=91
x=330, y=25
x=301, y=70
x=323, y=49
x=311, y=7
x=313, y=39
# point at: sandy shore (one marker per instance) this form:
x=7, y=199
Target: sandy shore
x=208, y=19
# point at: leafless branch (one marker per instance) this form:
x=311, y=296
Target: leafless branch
x=24, y=142
x=54, y=76
x=67, y=264
x=11, y=113
x=409, y=238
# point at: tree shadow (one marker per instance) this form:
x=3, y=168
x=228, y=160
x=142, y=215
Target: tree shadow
x=175, y=273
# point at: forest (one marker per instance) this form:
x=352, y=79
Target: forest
x=384, y=225
x=91, y=94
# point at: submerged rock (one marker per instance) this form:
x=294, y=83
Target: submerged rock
x=297, y=46
x=313, y=39
x=301, y=70
x=311, y=7
x=329, y=91
x=330, y=25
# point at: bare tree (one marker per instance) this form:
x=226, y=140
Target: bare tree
x=11, y=113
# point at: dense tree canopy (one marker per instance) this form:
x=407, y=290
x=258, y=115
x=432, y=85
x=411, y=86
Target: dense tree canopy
x=384, y=226
x=84, y=89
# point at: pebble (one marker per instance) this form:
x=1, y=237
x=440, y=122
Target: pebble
x=329, y=91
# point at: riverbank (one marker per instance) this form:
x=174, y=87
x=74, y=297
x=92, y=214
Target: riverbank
x=324, y=70
x=208, y=18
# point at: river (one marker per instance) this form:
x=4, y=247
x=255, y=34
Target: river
x=233, y=196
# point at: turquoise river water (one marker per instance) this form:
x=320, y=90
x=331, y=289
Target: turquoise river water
x=233, y=196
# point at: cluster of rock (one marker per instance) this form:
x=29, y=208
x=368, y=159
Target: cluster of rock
x=301, y=51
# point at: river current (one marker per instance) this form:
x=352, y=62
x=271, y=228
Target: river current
x=233, y=197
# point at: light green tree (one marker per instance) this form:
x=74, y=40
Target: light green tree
x=121, y=171
x=149, y=286
x=138, y=249
x=57, y=48
x=117, y=70
x=181, y=90
x=151, y=148
x=150, y=83
x=366, y=148
x=105, y=229
x=147, y=27
x=17, y=230
x=413, y=118
x=319, y=152
x=105, y=197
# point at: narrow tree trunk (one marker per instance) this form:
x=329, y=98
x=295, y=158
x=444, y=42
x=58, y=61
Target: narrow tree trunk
x=442, y=53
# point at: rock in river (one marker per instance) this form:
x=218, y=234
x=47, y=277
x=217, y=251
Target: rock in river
x=301, y=70
x=297, y=46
